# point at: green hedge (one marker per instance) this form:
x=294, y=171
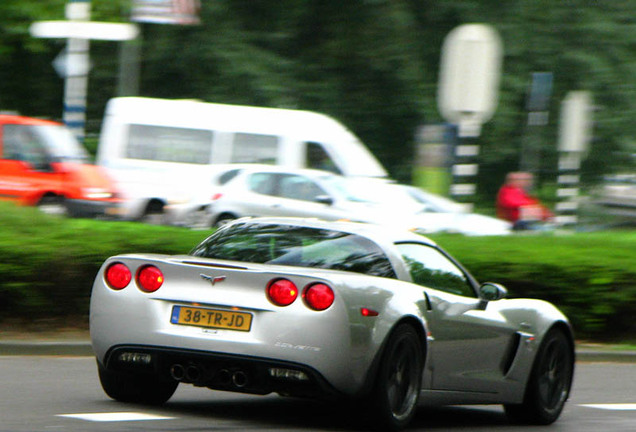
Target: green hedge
x=47, y=266
x=590, y=276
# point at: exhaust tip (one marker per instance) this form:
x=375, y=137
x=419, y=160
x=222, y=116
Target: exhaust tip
x=239, y=379
x=177, y=372
x=192, y=373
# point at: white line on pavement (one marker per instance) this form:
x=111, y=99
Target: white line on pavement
x=613, y=407
x=115, y=416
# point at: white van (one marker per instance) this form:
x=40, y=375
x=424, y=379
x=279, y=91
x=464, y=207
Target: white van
x=163, y=153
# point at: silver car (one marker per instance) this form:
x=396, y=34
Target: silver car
x=321, y=309
x=274, y=191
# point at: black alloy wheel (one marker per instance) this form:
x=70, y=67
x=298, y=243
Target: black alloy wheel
x=399, y=379
x=550, y=382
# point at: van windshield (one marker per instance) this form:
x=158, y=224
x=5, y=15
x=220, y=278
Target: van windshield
x=60, y=143
x=41, y=144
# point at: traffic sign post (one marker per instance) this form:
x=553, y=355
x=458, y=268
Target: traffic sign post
x=467, y=96
x=574, y=138
x=73, y=64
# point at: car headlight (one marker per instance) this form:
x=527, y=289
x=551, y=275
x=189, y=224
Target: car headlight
x=97, y=193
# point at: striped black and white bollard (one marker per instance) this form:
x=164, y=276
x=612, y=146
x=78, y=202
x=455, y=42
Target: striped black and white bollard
x=574, y=138
x=568, y=188
x=464, y=171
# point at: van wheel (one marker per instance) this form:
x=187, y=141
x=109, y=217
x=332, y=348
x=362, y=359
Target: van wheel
x=53, y=205
x=154, y=214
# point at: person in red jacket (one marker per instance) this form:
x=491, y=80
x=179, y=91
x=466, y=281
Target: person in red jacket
x=516, y=205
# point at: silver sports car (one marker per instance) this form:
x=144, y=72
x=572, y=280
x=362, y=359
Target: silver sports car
x=311, y=308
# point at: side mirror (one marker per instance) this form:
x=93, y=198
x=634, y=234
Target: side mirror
x=490, y=291
x=324, y=199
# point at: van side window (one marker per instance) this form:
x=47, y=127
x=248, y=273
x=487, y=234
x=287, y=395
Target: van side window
x=318, y=158
x=254, y=148
x=169, y=144
x=21, y=143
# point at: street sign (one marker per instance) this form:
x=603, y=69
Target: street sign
x=71, y=64
x=576, y=122
x=84, y=30
x=469, y=77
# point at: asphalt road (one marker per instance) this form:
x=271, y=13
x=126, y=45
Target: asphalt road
x=54, y=393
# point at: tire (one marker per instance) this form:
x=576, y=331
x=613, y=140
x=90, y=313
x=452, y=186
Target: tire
x=398, y=382
x=223, y=219
x=142, y=389
x=53, y=205
x=153, y=214
x=549, y=384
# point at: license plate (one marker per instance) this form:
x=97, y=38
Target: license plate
x=211, y=318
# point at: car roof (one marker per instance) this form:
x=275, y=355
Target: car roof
x=23, y=120
x=255, y=167
x=380, y=234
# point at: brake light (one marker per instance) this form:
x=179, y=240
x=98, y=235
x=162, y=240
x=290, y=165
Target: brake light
x=282, y=292
x=149, y=278
x=217, y=196
x=318, y=296
x=118, y=276
x=366, y=312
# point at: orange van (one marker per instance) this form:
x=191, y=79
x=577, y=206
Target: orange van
x=41, y=163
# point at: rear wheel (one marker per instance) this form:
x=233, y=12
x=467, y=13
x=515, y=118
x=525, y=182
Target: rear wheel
x=154, y=214
x=53, y=205
x=224, y=219
x=398, y=383
x=549, y=384
x=144, y=389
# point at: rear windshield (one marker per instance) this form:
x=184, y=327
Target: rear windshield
x=296, y=246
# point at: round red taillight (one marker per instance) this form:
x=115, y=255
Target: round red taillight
x=282, y=292
x=318, y=296
x=149, y=278
x=118, y=276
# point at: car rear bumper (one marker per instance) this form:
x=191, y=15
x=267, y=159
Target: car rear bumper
x=221, y=371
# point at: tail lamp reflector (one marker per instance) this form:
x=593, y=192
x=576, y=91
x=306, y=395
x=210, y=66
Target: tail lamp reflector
x=118, y=276
x=318, y=296
x=149, y=278
x=366, y=312
x=282, y=292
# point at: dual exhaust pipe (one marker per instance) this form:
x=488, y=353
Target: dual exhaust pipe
x=198, y=375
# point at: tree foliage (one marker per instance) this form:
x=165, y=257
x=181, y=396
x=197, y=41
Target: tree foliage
x=373, y=64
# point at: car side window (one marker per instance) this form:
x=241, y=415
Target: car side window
x=298, y=188
x=261, y=183
x=431, y=268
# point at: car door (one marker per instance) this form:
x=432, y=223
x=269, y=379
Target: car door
x=300, y=196
x=25, y=169
x=472, y=344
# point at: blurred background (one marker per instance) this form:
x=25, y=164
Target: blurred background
x=372, y=64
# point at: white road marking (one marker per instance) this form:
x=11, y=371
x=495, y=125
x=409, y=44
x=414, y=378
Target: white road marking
x=613, y=407
x=115, y=416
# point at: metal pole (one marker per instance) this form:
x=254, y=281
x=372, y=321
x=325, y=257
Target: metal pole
x=76, y=81
x=130, y=66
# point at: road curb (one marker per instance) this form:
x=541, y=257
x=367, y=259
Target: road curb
x=84, y=348
x=45, y=348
